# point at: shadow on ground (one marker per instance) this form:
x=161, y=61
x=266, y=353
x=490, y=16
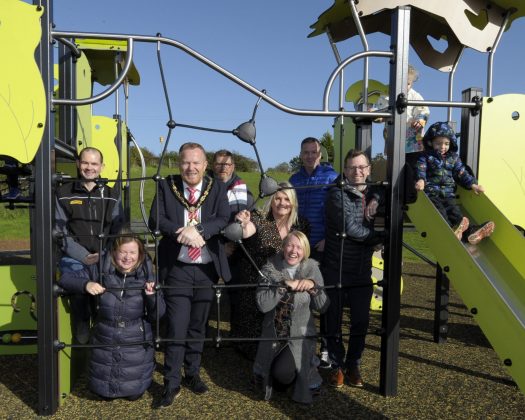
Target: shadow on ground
x=462, y=378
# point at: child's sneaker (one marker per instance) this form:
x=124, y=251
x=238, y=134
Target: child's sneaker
x=462, y=227
x=325, y=362
x=484, y=231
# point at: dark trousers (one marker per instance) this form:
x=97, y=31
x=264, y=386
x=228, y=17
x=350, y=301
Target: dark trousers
x=357, y=298
x=187, y=311
x=283, y=371
x=449, y=209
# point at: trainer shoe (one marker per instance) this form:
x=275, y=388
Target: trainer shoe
x=325, y=362
x=336, y=378
x=484, y=231
x=353, y=377
x=13, y=194
x=462, y=227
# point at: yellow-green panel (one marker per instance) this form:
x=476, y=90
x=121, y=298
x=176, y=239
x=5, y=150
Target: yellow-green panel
x=104, y=132
x=502, y=154
x=65, y=381
x=376, y=89
x=71, y=362
x=101, y=54
x=84, y=89
x=124, y=151
x=487, y=276
x=22, y=94
x=348, y=140
x=18, y=288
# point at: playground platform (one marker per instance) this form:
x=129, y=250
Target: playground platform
x=462, y=378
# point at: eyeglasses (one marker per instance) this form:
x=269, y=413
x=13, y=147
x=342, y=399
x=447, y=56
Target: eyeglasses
x=223, y=164
x=355, y=168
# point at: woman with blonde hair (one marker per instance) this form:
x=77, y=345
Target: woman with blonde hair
x=293, y=289
x=263, y=233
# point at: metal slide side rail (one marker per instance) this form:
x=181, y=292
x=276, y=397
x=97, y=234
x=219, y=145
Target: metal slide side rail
x=217, y=68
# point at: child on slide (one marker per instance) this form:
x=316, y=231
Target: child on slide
x=437, y=171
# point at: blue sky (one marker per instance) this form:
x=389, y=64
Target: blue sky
x=264, y=43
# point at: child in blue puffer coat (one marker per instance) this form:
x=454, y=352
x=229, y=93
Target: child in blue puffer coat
x=438, y=170
x=126, y=305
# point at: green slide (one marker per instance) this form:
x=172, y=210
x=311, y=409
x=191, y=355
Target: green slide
x=489, y=277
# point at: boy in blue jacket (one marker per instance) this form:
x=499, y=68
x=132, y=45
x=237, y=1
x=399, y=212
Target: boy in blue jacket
x=438, y=170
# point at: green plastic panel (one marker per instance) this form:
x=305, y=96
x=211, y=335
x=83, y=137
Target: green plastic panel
x=489, y=277
x=101, y=55
x=348, y=140
x=22, y=95
x=13, y=279
x=104, y=132
x=84, y=89
x=502, y=154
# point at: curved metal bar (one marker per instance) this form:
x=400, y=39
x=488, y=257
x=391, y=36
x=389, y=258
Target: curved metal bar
x=338, y=59
x=72, y=46
x=107, y=92
x=362, y=36
x=142, y=181
x=227, y=74
x=451, y=83
x=493, y=51
x=341, y=66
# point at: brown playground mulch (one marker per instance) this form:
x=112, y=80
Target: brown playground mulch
x=462, y=378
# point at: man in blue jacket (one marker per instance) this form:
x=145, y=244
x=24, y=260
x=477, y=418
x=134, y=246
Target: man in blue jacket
x=311, y=204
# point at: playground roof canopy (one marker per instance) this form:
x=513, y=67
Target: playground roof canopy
x=461, y=23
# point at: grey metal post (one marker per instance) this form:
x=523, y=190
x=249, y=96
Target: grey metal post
x=45, y=255
x=364, y=136
x=470, y=131
x=400, y=41
x=66, y=87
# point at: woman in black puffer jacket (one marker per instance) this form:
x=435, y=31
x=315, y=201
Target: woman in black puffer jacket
x=126, y=303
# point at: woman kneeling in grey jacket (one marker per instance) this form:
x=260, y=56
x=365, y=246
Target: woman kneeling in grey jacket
x=291, y=294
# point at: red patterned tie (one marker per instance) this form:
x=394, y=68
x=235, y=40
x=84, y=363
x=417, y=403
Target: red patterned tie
x=193, y=253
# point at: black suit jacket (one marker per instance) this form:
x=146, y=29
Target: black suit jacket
x=215, y=213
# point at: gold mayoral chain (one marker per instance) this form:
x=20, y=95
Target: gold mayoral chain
x=191, y=207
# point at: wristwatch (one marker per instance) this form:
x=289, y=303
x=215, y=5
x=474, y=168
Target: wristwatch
x=200, y=229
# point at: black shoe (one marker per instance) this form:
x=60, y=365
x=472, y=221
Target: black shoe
x=195, y=384
x=168, y=396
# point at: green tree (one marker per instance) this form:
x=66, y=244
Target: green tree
x=295, y=164
x=150, y=158
x=327, y=141
x=281, y=167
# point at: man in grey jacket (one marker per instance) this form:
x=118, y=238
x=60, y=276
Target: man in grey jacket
x=350, y=215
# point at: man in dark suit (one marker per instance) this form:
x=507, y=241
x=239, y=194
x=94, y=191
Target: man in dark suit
x=190, y=210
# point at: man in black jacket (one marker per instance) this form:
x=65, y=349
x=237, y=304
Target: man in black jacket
x=189, y=210
x=349, y=218
x=83, y=210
